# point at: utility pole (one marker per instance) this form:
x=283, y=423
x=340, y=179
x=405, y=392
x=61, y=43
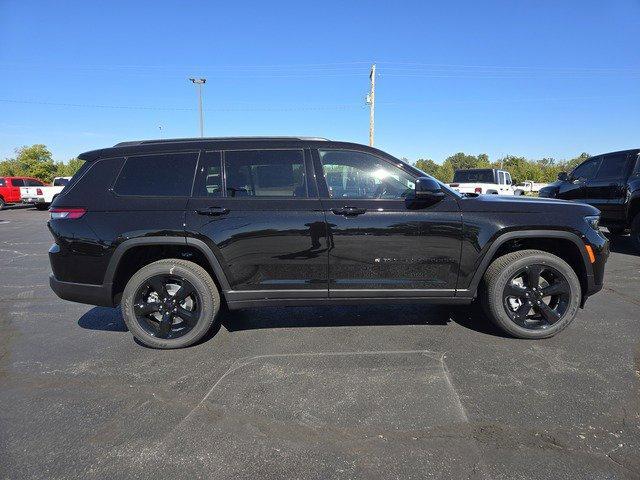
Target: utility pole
x=200, y=82
x=371, y=101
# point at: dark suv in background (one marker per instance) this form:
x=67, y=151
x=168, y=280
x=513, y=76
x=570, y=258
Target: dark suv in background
x=609, y=182
x=174, y=230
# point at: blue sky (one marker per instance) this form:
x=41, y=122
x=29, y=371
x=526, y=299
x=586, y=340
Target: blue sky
x=535, y=78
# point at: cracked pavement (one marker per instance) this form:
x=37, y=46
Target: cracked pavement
x=412, y=391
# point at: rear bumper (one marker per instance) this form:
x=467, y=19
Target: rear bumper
x=82, y=292
x=32, y=200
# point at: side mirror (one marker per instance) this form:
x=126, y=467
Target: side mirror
x=563, y=176
x=426, y=192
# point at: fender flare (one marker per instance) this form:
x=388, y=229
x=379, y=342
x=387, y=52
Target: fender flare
x=488, y=257
x=168, y=240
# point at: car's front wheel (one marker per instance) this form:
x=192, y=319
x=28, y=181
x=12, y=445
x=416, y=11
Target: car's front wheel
x=531, y=294
x=170, y=303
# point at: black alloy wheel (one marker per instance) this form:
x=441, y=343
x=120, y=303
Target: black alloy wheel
x=536, y=296
x=167, y=306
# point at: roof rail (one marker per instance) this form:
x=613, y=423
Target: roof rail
x=205, y=139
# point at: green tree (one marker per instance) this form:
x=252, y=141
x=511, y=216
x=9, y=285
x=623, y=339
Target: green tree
x=428, y=166
x=35, y=161
x=69, y=168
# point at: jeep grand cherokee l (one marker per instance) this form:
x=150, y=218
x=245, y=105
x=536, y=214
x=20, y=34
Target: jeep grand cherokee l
x=175, y=230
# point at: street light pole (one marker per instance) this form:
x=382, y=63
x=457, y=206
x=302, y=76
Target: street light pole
x=200, y=82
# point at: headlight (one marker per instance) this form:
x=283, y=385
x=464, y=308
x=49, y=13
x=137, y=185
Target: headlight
x=593, y=221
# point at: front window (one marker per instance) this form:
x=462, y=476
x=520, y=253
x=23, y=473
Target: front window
x=352, y=174
x=586, y=170
x=17, y=182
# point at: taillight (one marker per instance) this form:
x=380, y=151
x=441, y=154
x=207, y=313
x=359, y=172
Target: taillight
x=478, y=190
x=38, y=191
x=70, y=213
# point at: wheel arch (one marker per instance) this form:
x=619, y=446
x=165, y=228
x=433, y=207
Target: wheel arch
x=133, y=254
x=563, y=244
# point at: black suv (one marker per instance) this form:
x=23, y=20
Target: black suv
x=609, y=182
x=175, y=230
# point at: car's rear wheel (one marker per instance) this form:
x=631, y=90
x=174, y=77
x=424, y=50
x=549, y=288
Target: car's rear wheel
x=42, y=206
x=170, y=303
x=2, y=204
x=531, y=294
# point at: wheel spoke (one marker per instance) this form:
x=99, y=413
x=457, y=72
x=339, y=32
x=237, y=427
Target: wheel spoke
x=165, y=326
x=158, y=286
x=557, y=288
x=146, y=308
x=183, y=292
x=190, y=317
x=532, y=276
x=547, y=312
x=513, y=290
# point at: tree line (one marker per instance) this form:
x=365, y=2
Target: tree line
x=36, y=161
x=544, y=170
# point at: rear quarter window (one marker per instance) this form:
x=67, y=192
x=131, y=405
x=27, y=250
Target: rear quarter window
x=157, y=175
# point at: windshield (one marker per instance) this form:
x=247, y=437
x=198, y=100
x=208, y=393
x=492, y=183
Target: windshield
x=473, y=176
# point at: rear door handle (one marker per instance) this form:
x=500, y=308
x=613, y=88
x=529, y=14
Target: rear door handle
x=349, y=211
x=213, y=211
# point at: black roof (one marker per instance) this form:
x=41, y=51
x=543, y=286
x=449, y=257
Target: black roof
x=212, y=139
x=166, y=145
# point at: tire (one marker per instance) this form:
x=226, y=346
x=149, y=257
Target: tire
x=148, y=316
x=529, y=314
x=42, y=206
x=635, y=231
x=617, y=230
x=2, y=204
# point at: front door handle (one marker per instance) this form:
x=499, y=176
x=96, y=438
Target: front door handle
x=349, y=211
x=213, y=211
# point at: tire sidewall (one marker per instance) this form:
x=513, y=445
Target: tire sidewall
x=210, y=304
x=495, y=291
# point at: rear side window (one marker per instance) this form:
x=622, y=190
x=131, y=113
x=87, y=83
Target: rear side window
x=209, y=176
x=265, y=173
x=17, y=182
x=162, y=175
x=613, y=167
x=2, y=183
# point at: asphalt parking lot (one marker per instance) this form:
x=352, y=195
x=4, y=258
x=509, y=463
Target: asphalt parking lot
x=386, y=392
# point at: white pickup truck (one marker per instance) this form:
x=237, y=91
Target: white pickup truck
x=41, y=197
x=529, y=186
x=484, y=180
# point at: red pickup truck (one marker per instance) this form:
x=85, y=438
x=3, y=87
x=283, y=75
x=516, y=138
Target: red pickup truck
x=10, y=188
